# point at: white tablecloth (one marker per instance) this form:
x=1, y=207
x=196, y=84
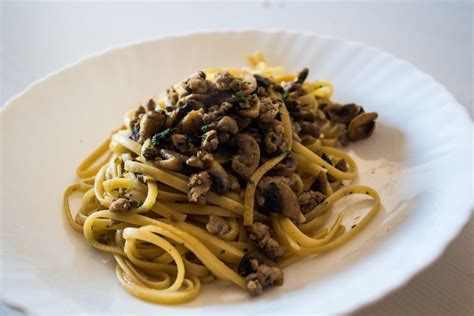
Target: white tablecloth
x=437, y=37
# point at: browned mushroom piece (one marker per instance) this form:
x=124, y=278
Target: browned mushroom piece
x=151, y=105
x=321, y=183
x=341, y=164
x=228, y=125
x=278, y=197
x=234, y=184
x=284, y=168
x=182, y=144
x=150, y=123
x=243, y=122
x=150, y=153
x=192, y=122
x=220, y=178
x=223, y=154
x=253, y=110
x=361, y=126
x=302, y=75
x=197, y=84
x=171, y=160
x=343, y=113
x=247, y=159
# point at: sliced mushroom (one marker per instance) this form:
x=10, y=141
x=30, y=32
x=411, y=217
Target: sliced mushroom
x=220, y=178
x=151, y=105
x=248, y=157
x=182, y=144
x=150, y=123
x=197, y=84
x=187, y=107
x=278, y=197
x=361, y=126
x=243, y=122
x=150, y=153
x=223, y=154
x=285, y=167
x=321, y=183
x=228, y=125
x=234, y=183
x=262, y=81
x=171, y=160
x=342, y=113
x=192, y=122
x=341, y=164
x=254, y=108
x=302, y=75
x=297, y=84
x=249, y=84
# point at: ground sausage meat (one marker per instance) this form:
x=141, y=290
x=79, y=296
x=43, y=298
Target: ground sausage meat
x=309, y=200
x=260, y=235
x=265, y=276
x=217, y=225
x=199, y=184
x=202, y=160
x=120, y=205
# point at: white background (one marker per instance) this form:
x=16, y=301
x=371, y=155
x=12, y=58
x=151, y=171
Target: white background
x=437, y=37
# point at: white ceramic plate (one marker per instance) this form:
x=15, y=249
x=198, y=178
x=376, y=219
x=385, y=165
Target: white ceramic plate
x=418, y=159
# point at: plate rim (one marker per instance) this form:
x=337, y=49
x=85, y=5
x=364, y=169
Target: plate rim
x=428, y=259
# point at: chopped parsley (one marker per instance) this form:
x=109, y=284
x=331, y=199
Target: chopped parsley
x=158, y=138
x=205, y=129
x=239, y=97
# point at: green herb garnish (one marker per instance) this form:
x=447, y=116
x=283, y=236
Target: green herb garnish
x=205, y=129
x=239, y=97
x=161, y=136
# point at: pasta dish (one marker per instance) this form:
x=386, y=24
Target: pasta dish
x=231, y=174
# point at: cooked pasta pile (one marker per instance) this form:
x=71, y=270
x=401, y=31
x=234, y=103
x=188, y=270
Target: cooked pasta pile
x=232, y=174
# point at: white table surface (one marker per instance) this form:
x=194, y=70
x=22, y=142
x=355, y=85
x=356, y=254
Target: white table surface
x=38, y=38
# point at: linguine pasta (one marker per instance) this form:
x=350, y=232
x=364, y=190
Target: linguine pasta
x=232, y=175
